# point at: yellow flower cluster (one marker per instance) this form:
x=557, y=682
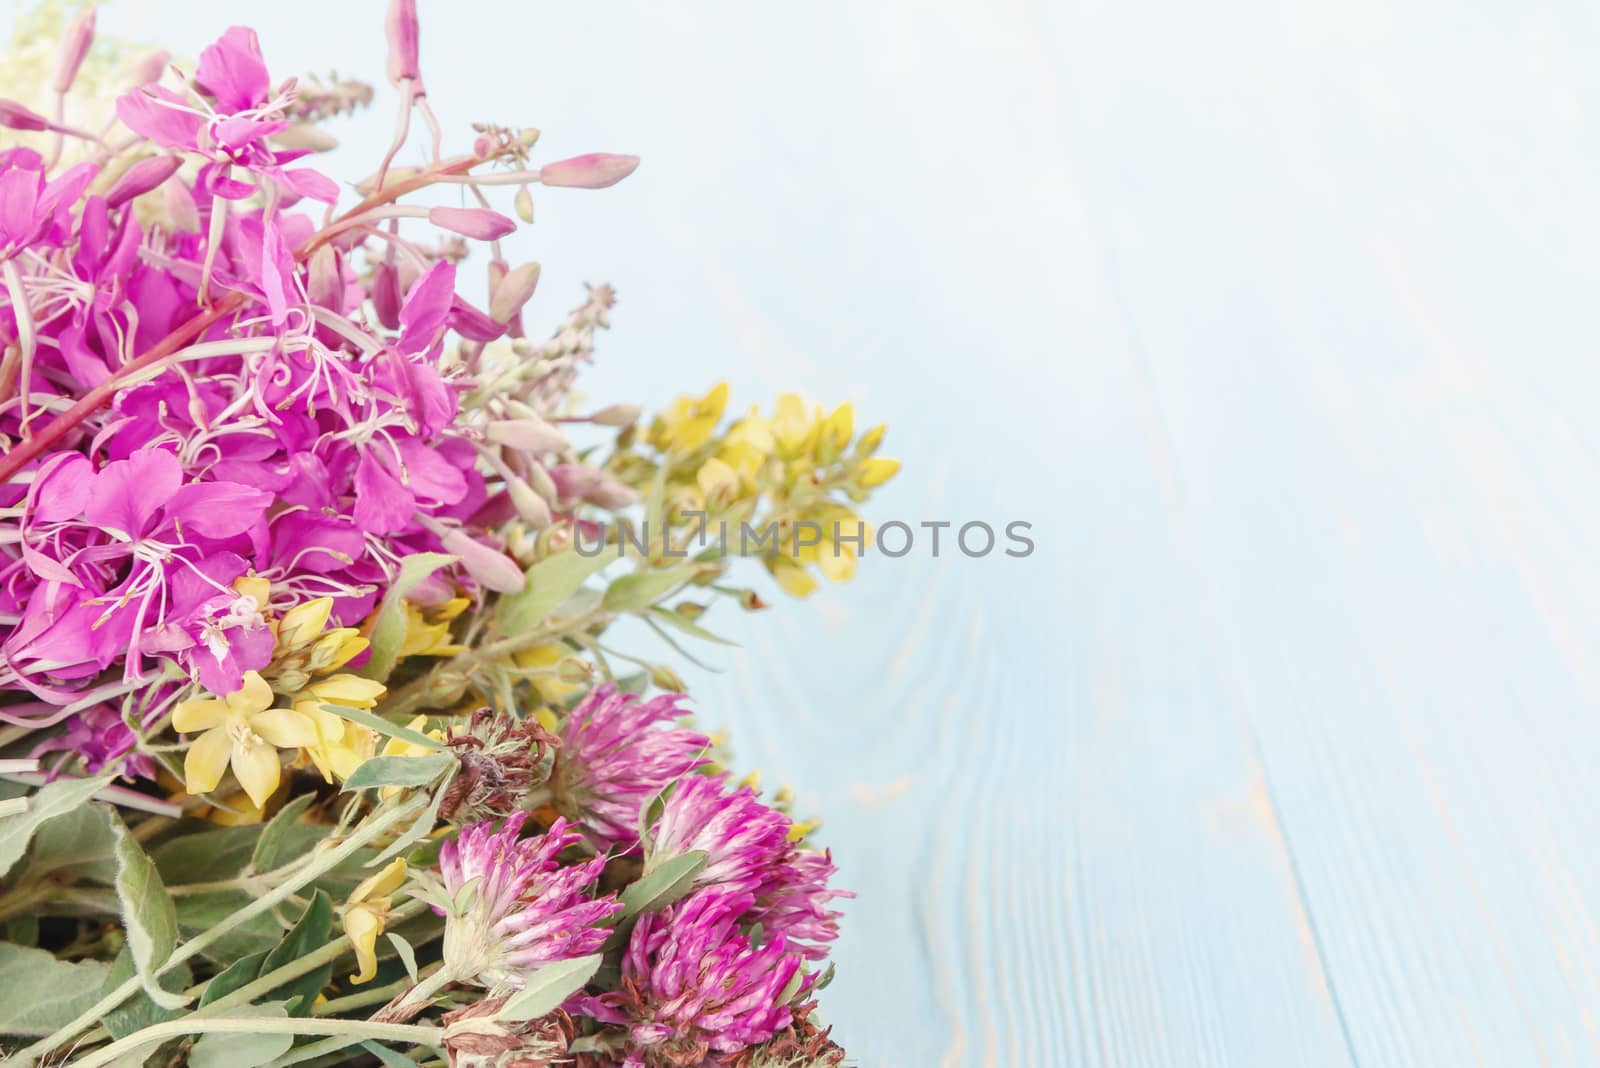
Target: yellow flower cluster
x=792, y=471
x=244, y=731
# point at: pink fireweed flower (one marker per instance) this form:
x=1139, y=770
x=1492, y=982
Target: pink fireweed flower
x=35, y=210
x=232, y=133
x=696, y=989
x=617, y=754
x=521, y=907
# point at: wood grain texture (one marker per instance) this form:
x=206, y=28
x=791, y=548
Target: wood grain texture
x=1276, y=321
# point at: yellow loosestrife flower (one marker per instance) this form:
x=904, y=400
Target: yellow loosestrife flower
x=366, y=913
x=243, y=731
x=428, y=630
x=341, y=746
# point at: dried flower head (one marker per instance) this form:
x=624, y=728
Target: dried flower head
x=502, y=758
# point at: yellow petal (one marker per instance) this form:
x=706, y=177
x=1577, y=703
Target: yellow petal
x=351, y=690
x=837, y=563
x=206, y=760
x=794, y=580
x=381, y=884
x=337, y=648
x=284, y=727
x=253, y=586
x=304, y=622
x=253, y=696
x=191, y=716
x=718, y=480
x=877, y=471
x=257, y=769
x=362, y=926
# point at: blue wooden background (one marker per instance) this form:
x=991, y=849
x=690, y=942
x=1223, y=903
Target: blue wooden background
x=1277, y=320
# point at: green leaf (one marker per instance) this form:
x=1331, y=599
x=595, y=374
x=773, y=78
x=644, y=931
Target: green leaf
x=148, y=915
x=388, y=1056
x=205, y=856
x=389, y=627
x=49, y=801
x=198, y=912
x=78, y=845
x=309, y=932
x=399, y=771
x=664, y=884
x=422, y=827
x=139, y=1012
x=548, y=987
x=241, y=973
x=44, y=993
x=383, y=726
x=408, y=956
x=673, y=619
x=242, y=1049
x=641, y=589
x=282, y=839
x=550, y=582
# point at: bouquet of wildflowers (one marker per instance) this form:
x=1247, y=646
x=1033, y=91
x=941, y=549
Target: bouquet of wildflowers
x=318, y=740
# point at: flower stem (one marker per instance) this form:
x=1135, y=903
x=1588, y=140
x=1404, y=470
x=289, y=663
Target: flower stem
x=262, y=1025
x=261, y=904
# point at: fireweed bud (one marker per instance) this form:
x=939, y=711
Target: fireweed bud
x=489, y=566
x=524, y=204
x=386, y=295
x=305, y=137
x=616, y=415
x=400, y=27
x=542, y=483
x=74, y=46
x=529, y=505
x=512, y=292
x=140, y=178
x=17, y=117
x=597, y=170
x=531, y=434
x=324, y=284
x=150, y=67
x=182, y=213
x=479, y=223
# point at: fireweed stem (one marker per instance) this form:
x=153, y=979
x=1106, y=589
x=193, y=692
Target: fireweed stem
x=273, y=897
x=33, y=447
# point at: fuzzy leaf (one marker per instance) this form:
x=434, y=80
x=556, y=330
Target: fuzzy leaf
x=548, y=987
x=388, y=1056
x=641, y=589
x=399, y=771
x=284, y=837
x=241, y=973
x=550, y=582
x=673, y=619
x=204, y=856
x=49, y=801
x=148, y=916
x=664, y=885
x=45, y=992
x=80, y=844
x=309, y=932
x=242, y=1049
x=408, y=956
x=139, y=1012
x=389, y=627
x=384, y=727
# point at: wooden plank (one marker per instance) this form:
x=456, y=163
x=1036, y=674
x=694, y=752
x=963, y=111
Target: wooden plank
x=1379, y=406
